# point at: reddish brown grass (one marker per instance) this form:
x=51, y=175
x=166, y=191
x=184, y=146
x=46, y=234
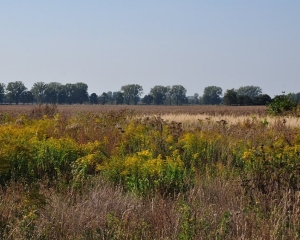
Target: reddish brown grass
x=142, y=109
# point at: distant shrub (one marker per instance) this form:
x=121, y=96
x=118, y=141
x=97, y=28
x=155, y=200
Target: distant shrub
x=282, y=104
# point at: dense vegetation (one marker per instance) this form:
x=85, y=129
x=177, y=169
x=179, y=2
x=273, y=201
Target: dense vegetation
x=131, y=94
x=124, y=175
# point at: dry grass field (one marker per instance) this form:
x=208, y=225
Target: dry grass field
x=148, y=172
x=151, y=109
x=188, y=115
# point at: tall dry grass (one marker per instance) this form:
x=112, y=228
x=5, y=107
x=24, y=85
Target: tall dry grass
x=216, y=209
x=189, y=120
x=145, y=109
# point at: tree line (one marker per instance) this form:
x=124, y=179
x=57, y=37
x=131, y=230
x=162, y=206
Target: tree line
x=130, y=94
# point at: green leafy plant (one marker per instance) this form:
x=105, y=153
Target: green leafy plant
x=282, y=104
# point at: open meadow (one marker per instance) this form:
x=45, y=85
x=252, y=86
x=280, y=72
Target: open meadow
x=145, y=109
x=148, y=172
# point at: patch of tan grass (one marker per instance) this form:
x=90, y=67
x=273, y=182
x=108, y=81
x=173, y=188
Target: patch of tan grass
x=191, y=120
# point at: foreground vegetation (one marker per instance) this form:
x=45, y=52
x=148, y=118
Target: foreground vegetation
x=131, y=175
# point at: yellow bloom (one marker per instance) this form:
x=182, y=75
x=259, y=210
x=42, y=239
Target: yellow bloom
x=196, y=155
x=247, y=155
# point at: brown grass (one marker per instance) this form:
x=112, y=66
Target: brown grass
x=188, y=115
x=142, y=109
x=212, y=210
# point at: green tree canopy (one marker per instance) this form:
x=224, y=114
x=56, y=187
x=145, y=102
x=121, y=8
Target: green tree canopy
x=262, y=99
x=52, y=91
x=178, y=94
x=38, y=91
x=132, y=93
x=2, y=92
x=62, y=94
x=230, y=97
x=212, y=95
x=15, y=89
x=76, y=93
x=147, y=99
x=159, y=94
x=80, y=94
x=282, y=104
x=27, y=97
x=110, y=99
x=119, y=97
x=93, y=98
x=250, y=91
x=196, y=99
x=103, y=98
x=69, y=92
x=296, y=97
x=244, y=100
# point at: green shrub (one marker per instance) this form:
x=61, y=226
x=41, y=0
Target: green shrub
x=282, y=104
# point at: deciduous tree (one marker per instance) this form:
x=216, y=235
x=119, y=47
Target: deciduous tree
x=132, y=93
x=159, y=94
x=178, y=94
x=51, y=92
x=93, y=98
x=296, y=97
x=103, y=98
x=2, y=92
x=244, y=100
x=262, y=99
x=15, y=89
x=38, y=91
x=80, y=94
x=110, y=99
x=147, y=99
x=282, y=104
x=212, y=95
x=230, y=97
x=196, y=98
x=250, y=91
x=119, y=97
x=27, y=97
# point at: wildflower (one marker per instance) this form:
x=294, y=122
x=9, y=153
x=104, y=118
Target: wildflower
x=247, y=155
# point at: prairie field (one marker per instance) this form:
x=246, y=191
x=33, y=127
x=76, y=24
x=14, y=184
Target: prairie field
x=148, y=172
x=147, y=109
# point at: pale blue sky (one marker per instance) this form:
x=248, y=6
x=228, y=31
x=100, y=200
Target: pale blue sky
x=110, y=43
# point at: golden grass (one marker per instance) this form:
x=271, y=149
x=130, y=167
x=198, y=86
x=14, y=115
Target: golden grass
x=189, y=120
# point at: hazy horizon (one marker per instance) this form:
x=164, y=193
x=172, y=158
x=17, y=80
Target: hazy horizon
x=108, y=44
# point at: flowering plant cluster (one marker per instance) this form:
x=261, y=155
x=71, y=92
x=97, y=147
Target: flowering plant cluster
x=148, y=154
